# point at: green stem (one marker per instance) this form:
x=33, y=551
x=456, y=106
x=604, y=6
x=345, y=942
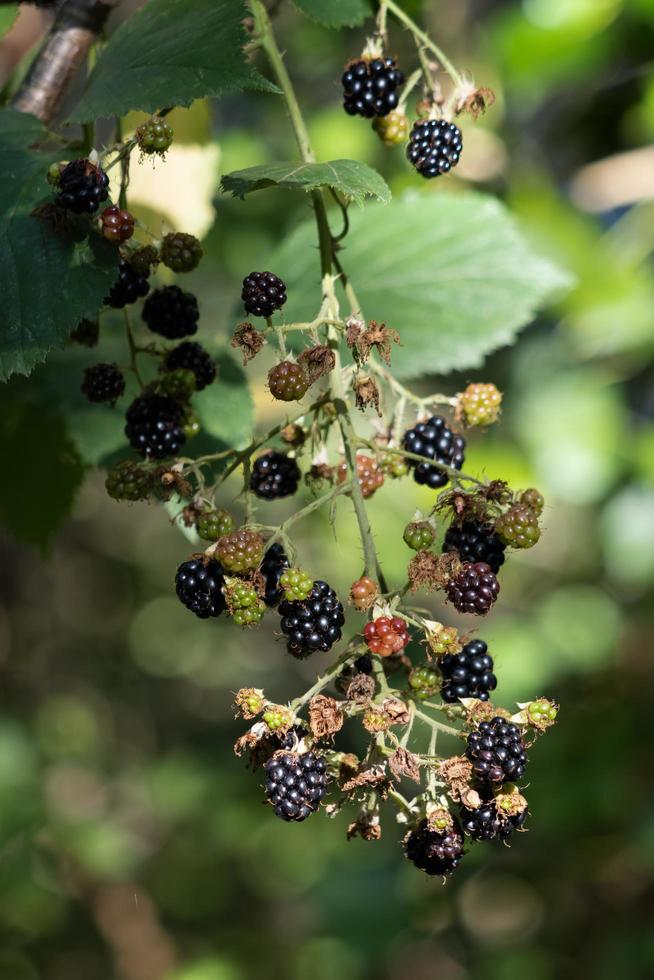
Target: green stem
x=323, y=680
x=436, y=725
x=424, y=39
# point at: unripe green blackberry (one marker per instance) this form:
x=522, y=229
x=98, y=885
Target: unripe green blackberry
x=179, y=384
x=288, y=381
x=419, y=535
x=128, y=481
x=180, y=252
x=443, y=639
x=212, y=524
x=297, y=585
x=542, y=713
x=393, y=128
x=240, y=551
x=479, y=404
x=245, y=606
x=155, y=135
x=278, y=718
x=518, y=527
x=424, y=682
x=533, y=499
x=394, y=466
x=249, y=702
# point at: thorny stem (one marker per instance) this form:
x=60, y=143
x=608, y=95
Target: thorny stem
x=401, y=801
x=424, y=39
x=436, y=725
x=325, y=679
x=309, y=509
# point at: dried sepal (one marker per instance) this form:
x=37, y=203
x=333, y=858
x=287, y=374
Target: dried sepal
x=317, y=361
x=325, y=716
x=248, y=340
x=249, y=702
x=366, y=392
x=457, y=773
x=404, y=763
x=367, y=826
x=429, y=571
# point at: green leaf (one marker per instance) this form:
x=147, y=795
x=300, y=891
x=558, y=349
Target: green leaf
x=450, y=272
x=7, y=17
x=49, y=282
x=352, y=179
x=225, y=408
x=37, y=496
x=171, y=52
x=335, y=13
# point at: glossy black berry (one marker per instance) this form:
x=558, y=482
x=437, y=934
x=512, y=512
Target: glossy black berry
x=199, y=586
x=274, y=475
x=154, y=426
x=436, y=441
x=468, y=674
x=171, y=312
x=314, y=624
x=474, y=542
x=129, y=287
x=275, y=562
x=103, y=383
x=263, y=293
x=370, y=87
x=497, y=751
x=191, y=356
x=434, y=147
x=82, y=187
x=295, y=784
x=485, y=823
x=474, y=589
x=432, y=851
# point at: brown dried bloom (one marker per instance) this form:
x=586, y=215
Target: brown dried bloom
x=366, y=393
x=396, y=711
x=375, y=720
x=249, y=340
x=475, y=102
x=293, y=434
x=404, y=763
x=360, y=689
x=317, y=361
x=457, y=773
x=368, y=777
x=325, y=716
x=367, y=825
x=249, y=702
x=430, y=571
x=378, y=336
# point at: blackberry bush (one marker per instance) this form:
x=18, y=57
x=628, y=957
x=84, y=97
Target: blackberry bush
x=434, y=147
x=263, y=293
x=192, y=356
x=82, y=187
x=474, y=589
x=117, y=225
x=128, y=288
x=497, y=751
x=437, y=442
x=314, y=624
x=154, y=136
x=212, y=524
x=295, y=784
x=240, y=551
x=274, y=475
x=180, y=252
x=199, y=585
x=468, y=674
x=432, y=851
x=288, y=381
x=488, y=822
x=129, y=481
x=370, y=87
x=275, y=562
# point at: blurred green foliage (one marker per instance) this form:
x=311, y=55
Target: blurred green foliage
x=132, y=844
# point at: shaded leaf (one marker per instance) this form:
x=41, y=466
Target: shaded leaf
x=352, y=179
x=225, y=408
x=335, y=13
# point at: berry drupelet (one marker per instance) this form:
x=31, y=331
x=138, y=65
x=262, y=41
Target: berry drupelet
x=171, y=312
x=436, y=441
x=128, y=288
x=468, y=674
x=154, y=426
x=474, y=589
x=199, y=586
x=435, y=852
x=103, y=383
x=275, y=562
x=295, y=784
x=434, y=147
x=193, y=357
x=370, y=87
x=497, y=751
x=263, y=293
x=475, y=542
x=274, y=475
x=82, y=187
x=314, y=624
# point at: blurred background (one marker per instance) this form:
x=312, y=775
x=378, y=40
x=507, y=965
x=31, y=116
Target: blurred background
x=133, y=845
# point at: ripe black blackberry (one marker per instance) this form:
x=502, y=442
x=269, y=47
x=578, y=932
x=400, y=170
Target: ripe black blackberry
x=295, y=784
x=274, y=475
x=434, y=147
x=199, y=586
x=274, y=564
x=129, y=286
x=82, y=187
x=103, y=383
x=435, y=440
x=263, y=293
x=474, y=589
x=192, y=357
x=485, y=823
x=171, y=312
x=155, y=425
x=314, y=624
x=370, y=87
x=475, y=542
x=436, y=853
x=468, y=674
x=497, y=751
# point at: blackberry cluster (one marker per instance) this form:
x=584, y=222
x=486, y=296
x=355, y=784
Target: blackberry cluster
x=485, y=823
x=263, y=293
x=171, y=312
x=518, y=526
x=199, y=586
x=436, y=441
x=369, y=474
x=82, y=187
x=434, y=147
x=295, y=784
x=103, y=383
x=212, y=524
x=392, y=129
x=419, y=535
x=155, y=426
x=274, y=475
x=128, y=481
x=129, y=287
x=274, y=564
x=497, y=751
x=474, y=589
x=436, y=853
x=468, y=674
x=240, y=551
x=370, y=87
x=288, y=381
x=181, y=252
x=154, y=135
x=192, y=357
x=314, y=624
x=475, y=542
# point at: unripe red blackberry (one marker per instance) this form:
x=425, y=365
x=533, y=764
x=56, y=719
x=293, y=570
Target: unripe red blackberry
x=386, y=635
x=363, y=593
x=436, y=853
x=82, y=187
x=434, y=147
x=393, y=128
x=474, y=542
x=117, y=225
x=171, y=312
x=497, y=751
x=424, y=682
x=199, y=584
x=288, y=381
x=518, y=527
x=274, y=475
x=297, y=585
x=263, y=293
x=533, y=499
x=245, y=606
x=370, y=87
x=103, y=383
x=295, y=784
x=369, y=474
x=479, y=404
x=129, y=287
x=419, y=535
x=240, y=551
x=128, y=481
x=180, y=252
x=212, y=524
x=192, y=357
x=474, y=589
x=155, y=135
